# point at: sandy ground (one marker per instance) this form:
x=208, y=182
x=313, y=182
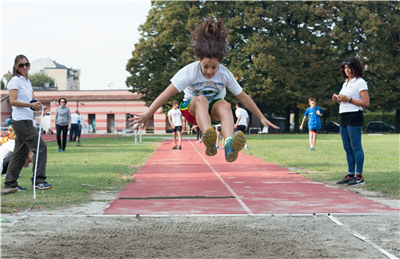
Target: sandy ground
x=82, y=232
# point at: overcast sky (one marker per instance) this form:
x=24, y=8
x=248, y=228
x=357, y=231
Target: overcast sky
x=96, y=37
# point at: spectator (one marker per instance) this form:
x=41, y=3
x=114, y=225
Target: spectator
x=74, y=126
x=20, y=96
x=175, y=119
x=352, y=98
x=242, y=120
x=63, y=122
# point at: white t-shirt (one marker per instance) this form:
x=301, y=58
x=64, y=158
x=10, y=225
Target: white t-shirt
x=75, y=118
x=243, y=116
x=191, y=80
x=352, y=90
x=24, y=87
x=175, y=117
x=6, y=149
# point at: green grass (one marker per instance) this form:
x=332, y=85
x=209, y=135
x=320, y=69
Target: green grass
x=381, y=165
x=105, y=163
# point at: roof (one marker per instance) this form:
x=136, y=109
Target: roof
x=83, y=95
x=58, y=66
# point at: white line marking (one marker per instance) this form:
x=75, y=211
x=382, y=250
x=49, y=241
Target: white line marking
x=226, y=185
x=361, y=237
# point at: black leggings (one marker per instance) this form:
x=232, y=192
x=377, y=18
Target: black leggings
x=199, y=134
x=64, y=130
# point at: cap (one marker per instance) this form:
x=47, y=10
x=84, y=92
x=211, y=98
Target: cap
x=76, y=111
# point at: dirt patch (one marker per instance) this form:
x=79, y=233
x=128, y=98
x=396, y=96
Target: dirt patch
x=181, y=237
x=82, y=232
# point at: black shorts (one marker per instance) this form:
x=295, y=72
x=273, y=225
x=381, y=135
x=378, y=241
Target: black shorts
x=242, y=128
x=219, y=129
x=177, y=128
x=313, y=130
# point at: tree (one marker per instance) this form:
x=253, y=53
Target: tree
x=41, y=78
x=6, y=76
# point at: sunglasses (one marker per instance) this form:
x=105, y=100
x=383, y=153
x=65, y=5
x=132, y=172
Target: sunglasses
x=24, y=64
x=62, y=101
x=346, y=63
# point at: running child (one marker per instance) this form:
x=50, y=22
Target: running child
x=204, y=83
x=174, y=118
x=314, y=122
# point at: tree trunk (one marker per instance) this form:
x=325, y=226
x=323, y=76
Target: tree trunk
x=397, y=121
x=287, y=121
x=296, y=120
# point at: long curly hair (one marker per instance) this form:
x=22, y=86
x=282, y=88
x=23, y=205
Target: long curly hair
x=355, y=65
x=209, y=39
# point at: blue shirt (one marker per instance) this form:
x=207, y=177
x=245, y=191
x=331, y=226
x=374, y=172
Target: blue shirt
x=314, y=121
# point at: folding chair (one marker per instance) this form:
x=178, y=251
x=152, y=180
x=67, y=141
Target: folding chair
x=263, y=131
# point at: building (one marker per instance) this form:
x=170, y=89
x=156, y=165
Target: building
x=104, y=111
x=65, y=78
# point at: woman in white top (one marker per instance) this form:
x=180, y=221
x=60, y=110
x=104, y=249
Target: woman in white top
x=352, y=98
x=21, y=96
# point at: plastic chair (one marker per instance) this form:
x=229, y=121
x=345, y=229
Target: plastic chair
x=263, y=131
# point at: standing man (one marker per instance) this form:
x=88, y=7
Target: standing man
x=175, y=119
x=74, y=126
x=314, y=122
x=82, y=124
x=242, y=120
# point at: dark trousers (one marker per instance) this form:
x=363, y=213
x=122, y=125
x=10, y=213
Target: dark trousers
x=242, y=128
x=26, y=139
x=6, y=161
x=64, y=130
x=199, y=134
x=74, y=131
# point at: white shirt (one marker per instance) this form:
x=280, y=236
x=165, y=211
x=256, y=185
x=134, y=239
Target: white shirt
x=191, y=80
x=24, y=87
x=6, y=149
x=243, y=116
x=352, y=90
x=74, y=118
x=175, y=117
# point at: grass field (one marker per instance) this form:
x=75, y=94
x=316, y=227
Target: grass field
x=381, y=165
x=109, y=163
x=105, y=163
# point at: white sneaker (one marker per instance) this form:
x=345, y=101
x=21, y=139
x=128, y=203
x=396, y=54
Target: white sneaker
x=246, y=147
x=197, y=141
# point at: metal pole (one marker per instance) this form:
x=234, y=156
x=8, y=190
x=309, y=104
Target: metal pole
x=140, y=133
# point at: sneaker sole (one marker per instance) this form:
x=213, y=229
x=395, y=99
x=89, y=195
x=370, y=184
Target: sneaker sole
x=39, y=188
x=238, y=143
x=209, y=140
x=355, y=184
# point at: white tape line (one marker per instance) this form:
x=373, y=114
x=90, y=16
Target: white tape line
x=361, y=237
x=226, y=185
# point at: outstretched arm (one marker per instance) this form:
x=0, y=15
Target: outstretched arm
x=141, y=119
x=301, y=126
x=249, y=104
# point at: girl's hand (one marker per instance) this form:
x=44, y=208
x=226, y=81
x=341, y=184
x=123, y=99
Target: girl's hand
x=139, y=119
x=267, y=123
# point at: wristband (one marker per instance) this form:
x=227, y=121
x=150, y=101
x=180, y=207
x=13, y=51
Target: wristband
x=350, y=100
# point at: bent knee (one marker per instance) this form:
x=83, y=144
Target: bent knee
x=201, y=99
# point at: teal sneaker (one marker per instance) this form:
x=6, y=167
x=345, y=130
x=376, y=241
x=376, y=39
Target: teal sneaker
x=234, y=145
x=209, y=140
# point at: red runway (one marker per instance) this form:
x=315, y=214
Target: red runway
x=187, y=182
